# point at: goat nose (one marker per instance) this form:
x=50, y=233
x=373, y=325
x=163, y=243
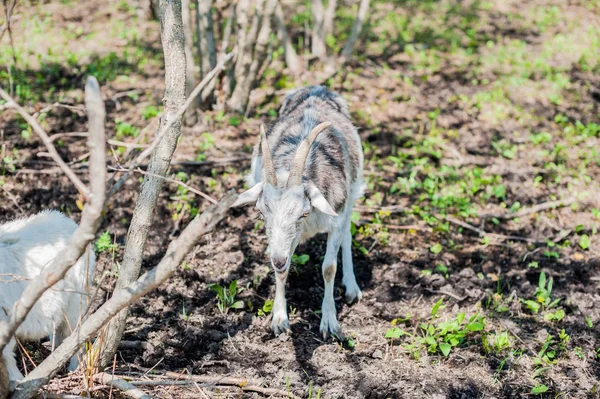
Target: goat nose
x=279, y=263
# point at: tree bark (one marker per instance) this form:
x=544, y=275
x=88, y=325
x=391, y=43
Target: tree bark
x=191, y=115
x=291, y=58
x=176, y=252
x=363, y=9
x=173, y=41
x=241, y=25
x=206, y=42
x=252, y=60
x=329, y=17
x=317, y=38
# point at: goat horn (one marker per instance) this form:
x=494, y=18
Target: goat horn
x=268, y=166
x=297, y=169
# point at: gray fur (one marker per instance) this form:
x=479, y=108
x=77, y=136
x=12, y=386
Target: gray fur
x=331, y=182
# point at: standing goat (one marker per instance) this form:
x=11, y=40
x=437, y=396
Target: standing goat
x=304, y=181
x=26, y=247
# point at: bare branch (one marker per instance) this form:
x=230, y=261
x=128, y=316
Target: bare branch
x=11, y=103
x=363, y=9
x=8, y=14
x=126, y=388
x=528, y=211
x=176, y=252
x=178, y=182
x=291, y=58
x=191, y=116
x=329, y=17
x=252, y=63
x=317, y=38
x=90, y=219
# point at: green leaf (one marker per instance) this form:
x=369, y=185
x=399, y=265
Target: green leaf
x=238, y=305
x=584, y=241
x=268, y=306
x=539, y=389
x=436, y=307
x=436, y=248
x=499, y=190
x=445, y=348
x=542, y=281
x=394, y=333
x=216, y=288
x=475, y=326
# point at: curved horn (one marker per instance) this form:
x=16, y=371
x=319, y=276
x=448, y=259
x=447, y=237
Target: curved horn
x=268, y=166
x=297, y=169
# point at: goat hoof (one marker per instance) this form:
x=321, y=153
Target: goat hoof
x=280, y=326
x=353, y=293
x=331, y=329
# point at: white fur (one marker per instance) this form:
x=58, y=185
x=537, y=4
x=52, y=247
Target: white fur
x=26, y=247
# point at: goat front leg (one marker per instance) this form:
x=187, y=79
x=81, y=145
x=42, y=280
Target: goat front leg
x=353, y=292
x=329, y=323
x=280, y=322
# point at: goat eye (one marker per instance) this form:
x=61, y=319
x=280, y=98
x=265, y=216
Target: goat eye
x=304, y=215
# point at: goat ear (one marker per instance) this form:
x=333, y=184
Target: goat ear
x=318, y=201
x=250, y=195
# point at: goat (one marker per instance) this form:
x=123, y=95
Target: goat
x=304, y=180
x=26, y=247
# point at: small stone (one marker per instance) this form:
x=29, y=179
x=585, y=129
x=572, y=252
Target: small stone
x=283, y=337
x=378, y=354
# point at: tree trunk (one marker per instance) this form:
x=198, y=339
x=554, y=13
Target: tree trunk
x=252, y=60
x=329, y=17
x=173, y=41
x=363, y=9
x=241, y=25
x=291, y=58
x=191, y=115
x=206, y=41
x=318, y=38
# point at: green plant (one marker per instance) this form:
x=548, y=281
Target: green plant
x=439, y=336
x=543, y=296
x=105, y=243
x=266, y=309
x=207, y=142
x=539, y=389
x=300, y=259
x=496, y=342
x=226, y=297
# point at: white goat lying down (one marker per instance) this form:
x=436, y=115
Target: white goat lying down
x=26, y=247
x=304, y=181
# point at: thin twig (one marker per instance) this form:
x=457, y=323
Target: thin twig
x=243, y=383
x=165, y=129
x=125, y=387
x=9, y=10
x=167, y=179
x=10, y=102
x=534, y=209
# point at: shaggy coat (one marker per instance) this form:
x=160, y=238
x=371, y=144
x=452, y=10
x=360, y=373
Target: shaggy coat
x=26, y=247
x=306, y=174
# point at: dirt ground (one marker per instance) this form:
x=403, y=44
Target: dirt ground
x=469, y=94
